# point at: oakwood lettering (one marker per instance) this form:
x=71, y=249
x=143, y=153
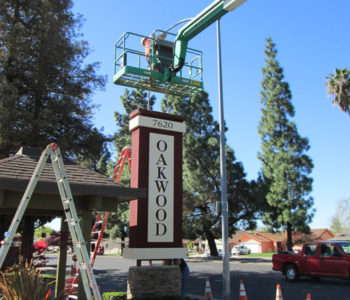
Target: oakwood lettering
x=161, y=184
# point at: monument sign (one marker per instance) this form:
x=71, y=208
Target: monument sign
x=155, y=230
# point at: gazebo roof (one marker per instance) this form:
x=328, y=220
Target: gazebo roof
x=88, y=187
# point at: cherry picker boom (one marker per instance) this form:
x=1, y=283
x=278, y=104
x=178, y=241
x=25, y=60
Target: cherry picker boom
x=195, y=26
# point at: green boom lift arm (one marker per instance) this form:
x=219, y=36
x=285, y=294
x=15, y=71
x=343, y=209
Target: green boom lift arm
x=197, y=24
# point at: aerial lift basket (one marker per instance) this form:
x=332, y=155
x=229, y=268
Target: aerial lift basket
x=134, y=67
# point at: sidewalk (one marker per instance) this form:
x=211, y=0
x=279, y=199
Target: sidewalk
x=233, y=259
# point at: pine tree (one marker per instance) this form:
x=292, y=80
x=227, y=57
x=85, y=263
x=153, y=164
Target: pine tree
x=201, y=174
x=285, y=163
x=131, y=101
x=45, y=88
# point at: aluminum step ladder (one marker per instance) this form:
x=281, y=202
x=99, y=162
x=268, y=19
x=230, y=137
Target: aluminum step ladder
x=86, y=273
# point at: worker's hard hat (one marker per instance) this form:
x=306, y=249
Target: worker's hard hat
x=144, y=40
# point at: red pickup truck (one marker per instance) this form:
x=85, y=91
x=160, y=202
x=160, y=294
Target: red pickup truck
x=330, y=258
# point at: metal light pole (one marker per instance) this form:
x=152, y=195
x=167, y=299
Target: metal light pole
x=226, y=292
x=196, y=25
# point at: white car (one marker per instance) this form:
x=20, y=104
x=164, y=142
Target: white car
x=240, y=250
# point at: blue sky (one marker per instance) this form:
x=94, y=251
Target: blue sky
x=311, y=39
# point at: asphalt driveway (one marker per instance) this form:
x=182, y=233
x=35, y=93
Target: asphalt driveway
x=259, y=279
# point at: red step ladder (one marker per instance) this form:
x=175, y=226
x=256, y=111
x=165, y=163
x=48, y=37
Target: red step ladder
x=125, y=154
x=97, y=233
x=99, y=226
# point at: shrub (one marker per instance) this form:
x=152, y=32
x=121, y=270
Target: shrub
x=122, y=296
x=114, y=296
x=23, y=282
x=160, y=298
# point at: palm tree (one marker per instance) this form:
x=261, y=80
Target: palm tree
x=339, y=86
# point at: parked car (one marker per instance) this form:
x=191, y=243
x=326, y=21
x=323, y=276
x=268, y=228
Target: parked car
x=240, y=250
x=101, y=250
x=330, y=258
x=207, y=253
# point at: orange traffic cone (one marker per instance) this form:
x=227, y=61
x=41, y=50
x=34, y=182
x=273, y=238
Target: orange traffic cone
x=208, y=295
x=279, y=293
x=242, y=293
x=308, y=296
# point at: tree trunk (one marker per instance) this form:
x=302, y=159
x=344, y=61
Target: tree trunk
x=62, y=261
x=4, y=226
x=122, y=239
x=211, y=243
x=27, y=248
x=289, y=237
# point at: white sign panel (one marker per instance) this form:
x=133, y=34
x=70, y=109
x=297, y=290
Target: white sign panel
x=157, y=124
x=161, y=188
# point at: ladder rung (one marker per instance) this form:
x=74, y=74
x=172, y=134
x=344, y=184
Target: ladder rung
x=79, y=244
x=72, y=297
x=83, y=266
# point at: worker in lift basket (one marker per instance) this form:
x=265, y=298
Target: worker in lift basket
x=145, y=42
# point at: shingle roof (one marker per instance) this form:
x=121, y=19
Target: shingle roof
x=237, y=234
x=342, y=236
x=259, y=237
x=16, y=171
x=253, y=236
x=319, y=232
x=276, y=236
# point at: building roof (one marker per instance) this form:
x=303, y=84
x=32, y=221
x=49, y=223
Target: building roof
x=237, y=234
x=317, y=233
x=16, y=171
x=260, y=238
x=314, y=235
x=253, y=236
x=274, y=236
x=342, y=236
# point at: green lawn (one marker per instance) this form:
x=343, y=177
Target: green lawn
x=260, y=255
x=48, y=276
x=112, y=254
